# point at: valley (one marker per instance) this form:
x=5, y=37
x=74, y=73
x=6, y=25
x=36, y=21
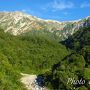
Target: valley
x=31, y=47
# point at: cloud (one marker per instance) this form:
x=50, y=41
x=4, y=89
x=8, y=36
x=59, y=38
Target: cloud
x=85, y=5
x=61, y=5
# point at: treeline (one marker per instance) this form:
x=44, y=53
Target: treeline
x=39, y=52
x=75, y=66
x=33, y=53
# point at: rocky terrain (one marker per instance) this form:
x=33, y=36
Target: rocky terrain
x=32, y=45
x=18, y=22
x=32, y=82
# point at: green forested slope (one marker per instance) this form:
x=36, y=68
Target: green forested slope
x=30, y=53
x=75, y=66
x=40, y=53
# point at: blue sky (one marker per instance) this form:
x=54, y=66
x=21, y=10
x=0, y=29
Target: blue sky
x=62, y=10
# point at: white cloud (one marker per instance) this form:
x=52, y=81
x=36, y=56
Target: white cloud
x=85, y=5
x=61, y=5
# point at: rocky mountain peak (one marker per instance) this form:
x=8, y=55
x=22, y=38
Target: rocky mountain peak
x=19, y=22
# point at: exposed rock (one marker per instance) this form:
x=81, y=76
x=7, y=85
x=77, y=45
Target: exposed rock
x=18, y=22
x=32, y=82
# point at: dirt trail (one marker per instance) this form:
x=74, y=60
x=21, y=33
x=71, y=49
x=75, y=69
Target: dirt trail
x=30, y=81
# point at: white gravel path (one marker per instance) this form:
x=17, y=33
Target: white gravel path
x=30, y=82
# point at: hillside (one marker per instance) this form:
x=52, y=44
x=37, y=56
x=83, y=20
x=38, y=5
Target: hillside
x=17, y=23
x=51, y=49
x=73, y=72
x=31, y=54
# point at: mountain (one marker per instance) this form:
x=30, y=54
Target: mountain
x=31, y=55
x=18, y=22
x=73, y=72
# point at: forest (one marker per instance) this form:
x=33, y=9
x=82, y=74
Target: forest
x=41, y=53
x=74, y=66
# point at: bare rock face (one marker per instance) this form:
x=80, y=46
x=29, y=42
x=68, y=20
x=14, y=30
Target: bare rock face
x=17, y=23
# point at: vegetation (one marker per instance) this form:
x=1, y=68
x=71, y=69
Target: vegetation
x=40, y=53
x=33, y=53
x=75, y=66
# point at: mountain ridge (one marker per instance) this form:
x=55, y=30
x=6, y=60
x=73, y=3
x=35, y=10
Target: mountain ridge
x=17, y=23
x=35, y=51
